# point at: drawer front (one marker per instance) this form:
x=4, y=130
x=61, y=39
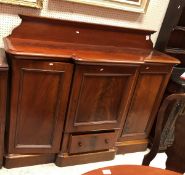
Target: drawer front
x=91, y=142
x=149, y=68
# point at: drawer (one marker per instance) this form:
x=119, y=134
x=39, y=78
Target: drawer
x=91, y=142
x=155, y=68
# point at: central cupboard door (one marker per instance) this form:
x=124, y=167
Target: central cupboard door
x=100, y=97
x=39, y=94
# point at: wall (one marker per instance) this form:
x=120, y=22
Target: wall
x=78, y=12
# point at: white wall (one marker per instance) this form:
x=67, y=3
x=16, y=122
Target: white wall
x=78, y=12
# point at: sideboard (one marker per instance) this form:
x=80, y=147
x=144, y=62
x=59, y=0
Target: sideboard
x=80, y=92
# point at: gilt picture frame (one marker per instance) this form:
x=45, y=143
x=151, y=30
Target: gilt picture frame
x=138, y=6
x=27, y=3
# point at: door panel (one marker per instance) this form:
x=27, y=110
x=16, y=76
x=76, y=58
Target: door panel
x=107, y=93
x=100, y=96
x=148, y=91
x=38, y=104
x=144, y=98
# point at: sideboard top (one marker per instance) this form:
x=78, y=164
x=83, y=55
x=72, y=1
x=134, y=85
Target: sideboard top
x=82, y=42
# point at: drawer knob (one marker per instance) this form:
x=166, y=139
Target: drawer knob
x=79, y=144
x=106, y=141
x=147, y=68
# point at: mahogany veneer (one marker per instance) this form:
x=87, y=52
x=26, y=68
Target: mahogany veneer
x=80, y=91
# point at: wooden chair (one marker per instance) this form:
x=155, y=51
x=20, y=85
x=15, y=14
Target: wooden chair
x=174, y=107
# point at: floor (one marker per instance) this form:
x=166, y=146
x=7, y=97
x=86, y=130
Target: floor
x=51, y=169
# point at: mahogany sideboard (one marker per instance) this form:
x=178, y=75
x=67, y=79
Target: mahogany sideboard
x=80, y=92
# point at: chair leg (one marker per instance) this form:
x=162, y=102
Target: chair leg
x=156, y=143
x=150, y=156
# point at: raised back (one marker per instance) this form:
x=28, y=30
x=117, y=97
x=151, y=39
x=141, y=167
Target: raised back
x=37, y=28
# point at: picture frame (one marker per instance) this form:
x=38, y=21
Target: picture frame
x=27, y=3
x=138, y=6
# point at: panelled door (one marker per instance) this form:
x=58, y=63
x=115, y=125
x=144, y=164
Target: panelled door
x=100, y=97
x=38, y=105
x=151, y=83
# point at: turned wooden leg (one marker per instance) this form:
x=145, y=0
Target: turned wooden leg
x=150, y=156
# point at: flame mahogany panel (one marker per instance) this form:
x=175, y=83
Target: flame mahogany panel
x=38, y=102
x=99, y=97
x=145, y=101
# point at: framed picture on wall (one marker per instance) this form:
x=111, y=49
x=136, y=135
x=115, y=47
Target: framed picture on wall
x=139, y=6
x=28, y=3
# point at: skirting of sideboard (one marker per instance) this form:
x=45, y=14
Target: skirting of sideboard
x=19, y=160
x=131, y=146
x=67, y=160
